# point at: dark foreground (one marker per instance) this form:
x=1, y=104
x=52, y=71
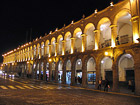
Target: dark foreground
x=33, y=92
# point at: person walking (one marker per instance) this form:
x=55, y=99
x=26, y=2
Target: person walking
x=100, y=83
x=106, y=85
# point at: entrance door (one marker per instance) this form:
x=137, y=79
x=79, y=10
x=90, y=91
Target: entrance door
x=129, y=75
x=92, y=77
x=68, y=77
x=109, y=76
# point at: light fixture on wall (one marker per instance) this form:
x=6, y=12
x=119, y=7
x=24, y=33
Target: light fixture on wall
x=111, y=4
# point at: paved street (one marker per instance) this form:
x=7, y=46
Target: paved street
x=32, y=92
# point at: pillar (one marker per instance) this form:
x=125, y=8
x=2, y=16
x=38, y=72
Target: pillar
x=83, y=42
x=135, y=13
x=72, y=45
x=137, y=71
x=56, y=48
x=113, y=35
x=33, y=71
x=64, y=73
x=56, y=72
x=98, y=73
x=44, y=71
x=36, y=67
x=115, y=77
x=50, y=50
x=50, y=71
x=135, y=25
x=96, y=39
x=39, y=70
x=63, y=47
x=72, y=73
x=84, y=74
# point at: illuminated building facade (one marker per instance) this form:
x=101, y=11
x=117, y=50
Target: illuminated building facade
x=103, y=45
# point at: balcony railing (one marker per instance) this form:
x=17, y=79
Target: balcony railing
x=90, y=47
x=126, y=39
x=107, y=43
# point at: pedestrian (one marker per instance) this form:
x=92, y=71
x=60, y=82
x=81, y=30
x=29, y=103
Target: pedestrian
x=78, y=79
x=133, y=86
x=129, y=84
x=106, y=85
x=100, y=83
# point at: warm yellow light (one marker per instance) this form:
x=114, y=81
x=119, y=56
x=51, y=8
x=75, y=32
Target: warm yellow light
x=111, y=4
x=135, y=37
x=63, y=52
x=95, y=11
x=131, y=0
x=96, y=46
x=27, y=62
x=50, y=60
x=113, y=43
x=71, y=51
x=106, y=53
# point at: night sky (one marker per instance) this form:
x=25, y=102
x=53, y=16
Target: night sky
x=19, y=17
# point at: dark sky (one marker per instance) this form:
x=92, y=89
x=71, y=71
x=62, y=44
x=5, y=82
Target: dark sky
x=17, y=17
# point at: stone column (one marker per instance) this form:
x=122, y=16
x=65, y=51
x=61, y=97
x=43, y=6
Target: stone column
x=135, y=13
x=113, y=35
x=83, y=42
x=50, y=71
x=115, y=77
x=72, y=73
x=97, y=34
x=136, y=31
x=50, y=50
x=98, y=73
x=39, y=70
x=44, y=71
x=64, y=73
x=72, y=45
x=33, y=71
x=35, y=74
x=63, y=47
x=84, y=74
x=56, y=48
x=56, y=72
x=137, y=71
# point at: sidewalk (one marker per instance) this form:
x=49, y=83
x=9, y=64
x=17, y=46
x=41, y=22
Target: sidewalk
x=122, y=90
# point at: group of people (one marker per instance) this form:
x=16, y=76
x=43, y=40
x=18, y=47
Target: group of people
x=106, y=85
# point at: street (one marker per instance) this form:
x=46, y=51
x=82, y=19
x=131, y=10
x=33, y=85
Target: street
x=17, y=91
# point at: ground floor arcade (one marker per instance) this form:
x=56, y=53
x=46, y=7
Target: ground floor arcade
x=118, y=66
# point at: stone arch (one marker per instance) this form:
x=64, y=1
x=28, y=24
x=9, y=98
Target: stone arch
x=31, y=54
x=104, y=36
x=42, y=48
x=106, y=69
x=58, y=71
x=68, y=71
x=90, y=36
x=78, y=40
x=124, y=26
x=53, y=41
x=38, y=50
x=90, y=69
x=34, y=50
x=28, y=53
x=67, y=39
x=47, y=47
x=59, y=42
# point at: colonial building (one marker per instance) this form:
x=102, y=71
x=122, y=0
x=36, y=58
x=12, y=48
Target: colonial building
x=104, y=45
